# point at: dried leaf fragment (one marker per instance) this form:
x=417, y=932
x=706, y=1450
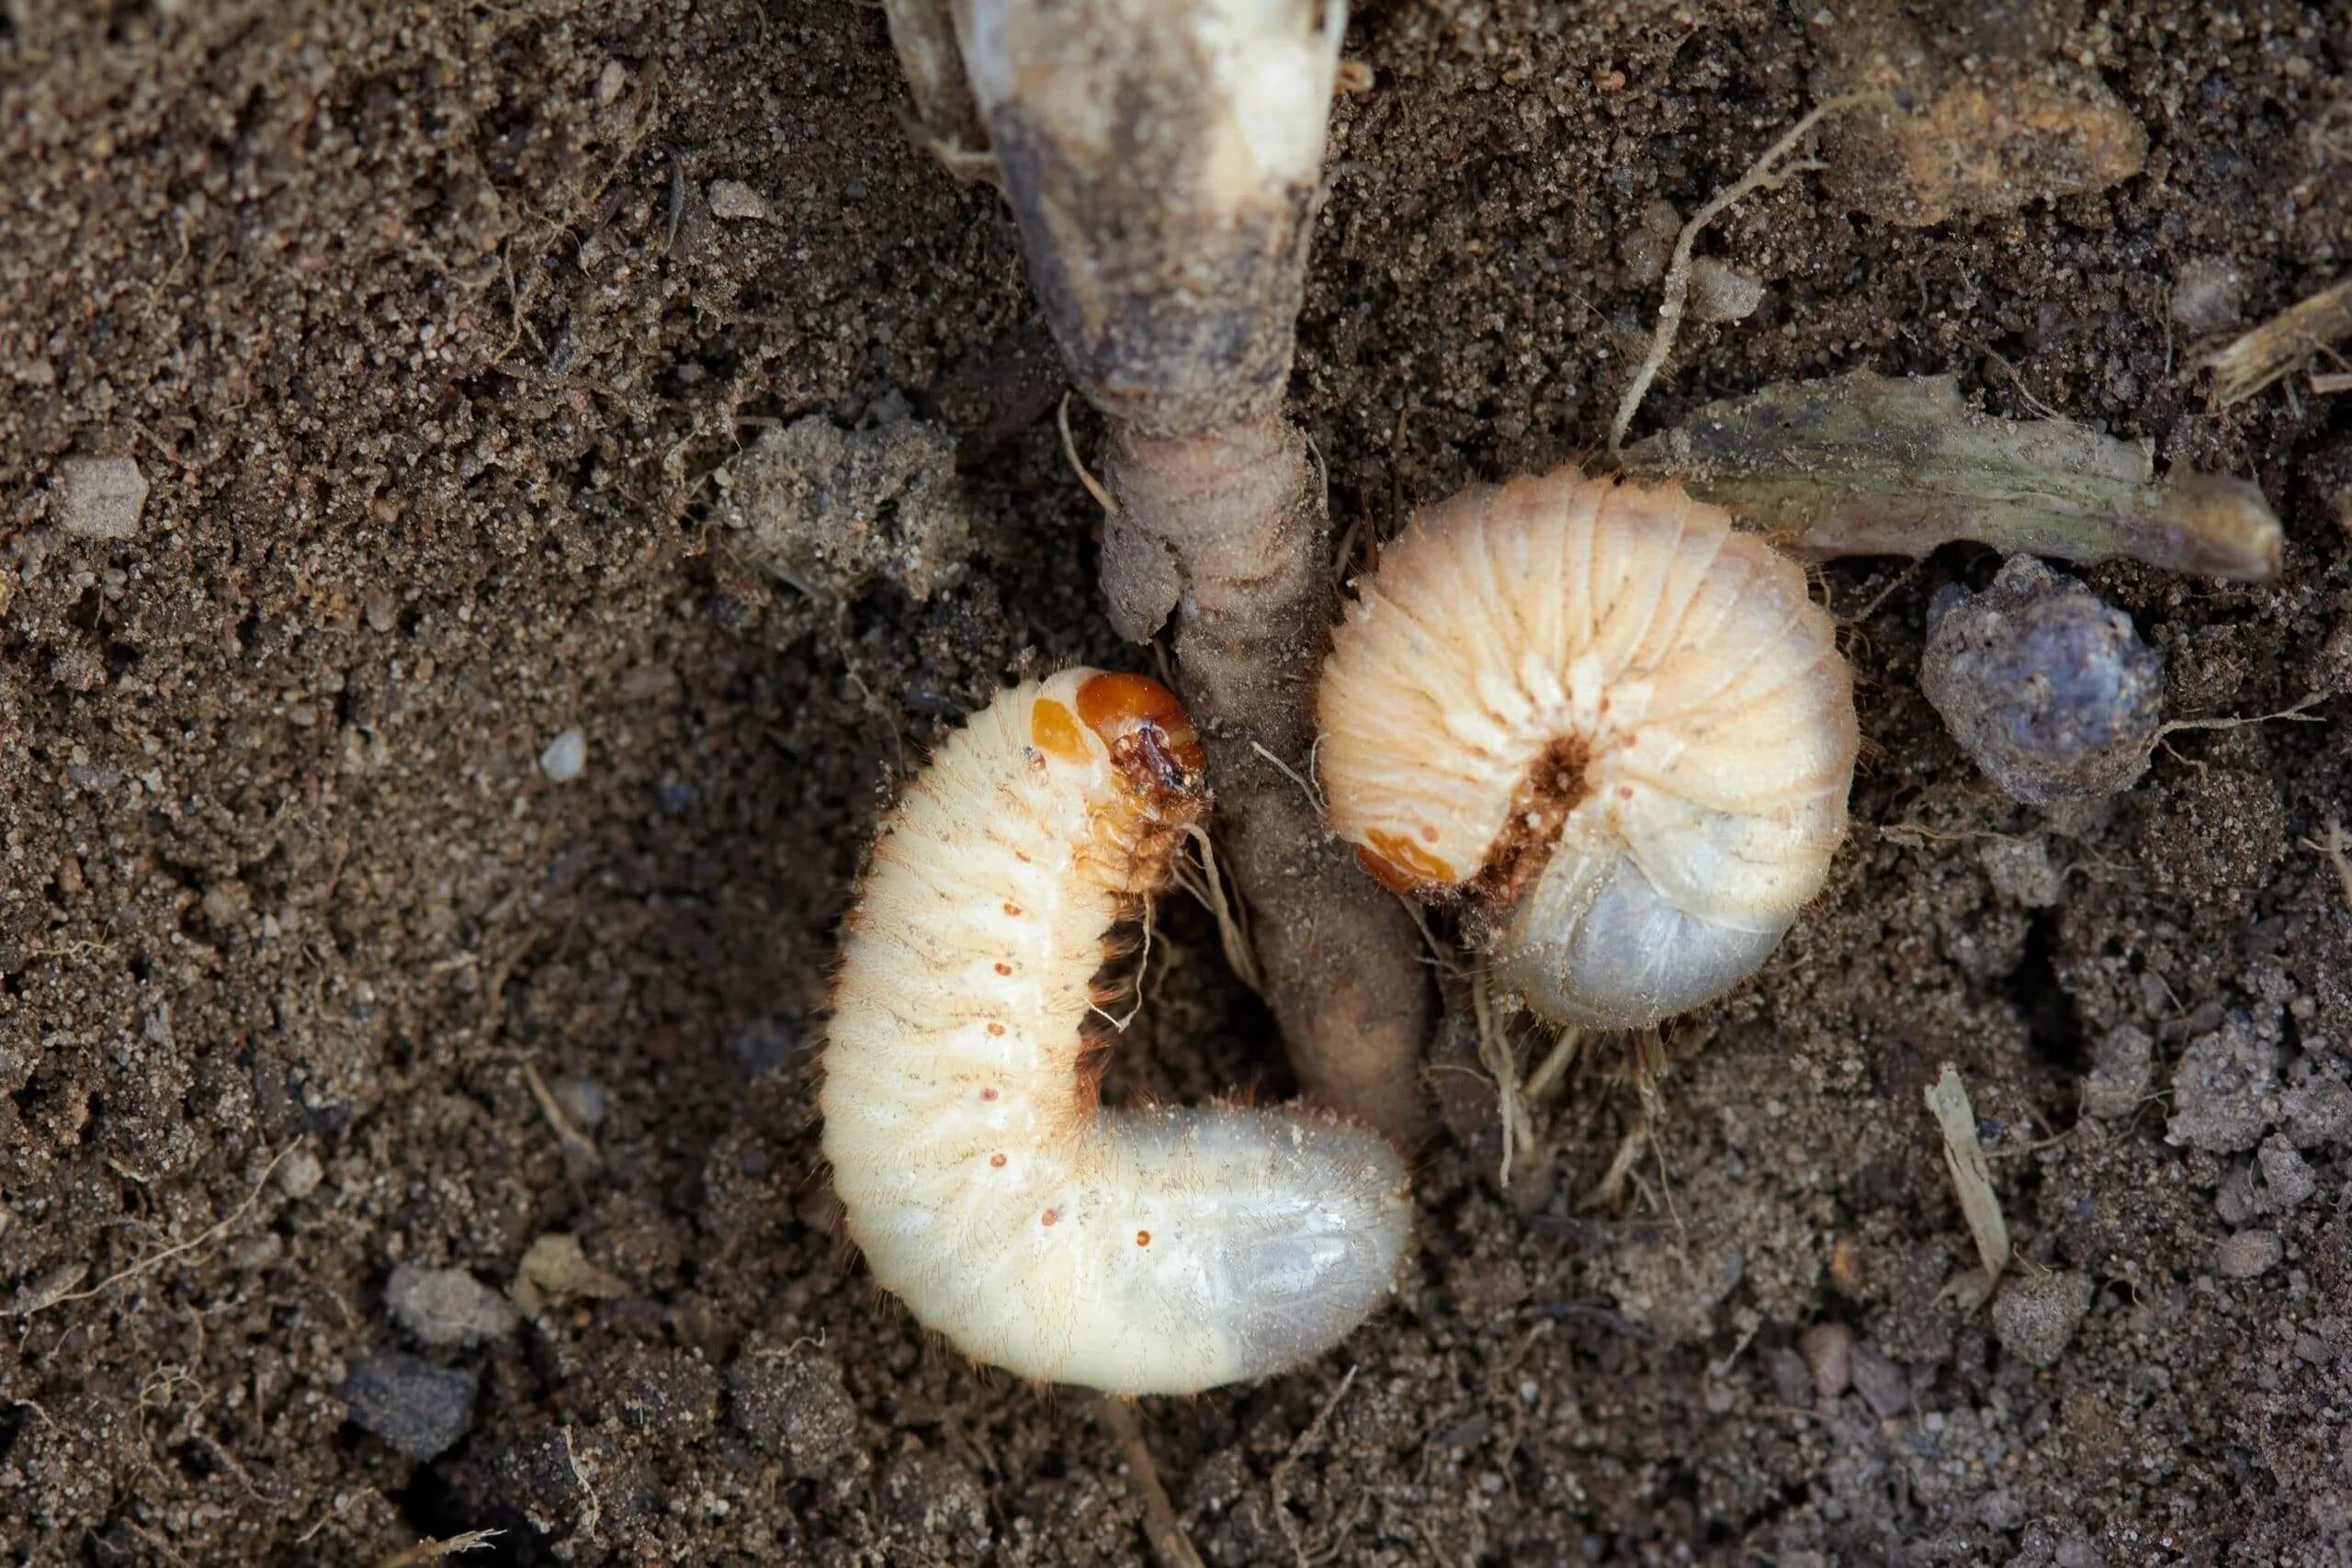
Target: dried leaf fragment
x=1874, y=464
x=554, y=1268
x=1972, y=1178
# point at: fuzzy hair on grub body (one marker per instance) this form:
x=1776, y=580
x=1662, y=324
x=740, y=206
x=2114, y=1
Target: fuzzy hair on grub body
x=1156, y=1250
x=1616, y=730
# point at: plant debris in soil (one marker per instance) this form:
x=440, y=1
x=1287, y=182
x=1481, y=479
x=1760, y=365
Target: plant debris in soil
x=428, y=333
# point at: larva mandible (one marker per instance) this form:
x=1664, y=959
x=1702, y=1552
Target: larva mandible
x=1141, y=1251
x=1618, y=729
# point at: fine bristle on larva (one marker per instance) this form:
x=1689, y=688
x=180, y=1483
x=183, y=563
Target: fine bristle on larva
x=1617, y=727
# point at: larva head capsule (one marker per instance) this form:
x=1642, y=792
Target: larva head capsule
x=1617, y=731
x=1154, y=778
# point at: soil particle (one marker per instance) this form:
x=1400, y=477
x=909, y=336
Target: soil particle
x=2247, y=1254
x=100, y=498
x=2122, y=1066
x=2277, y=1180
x=419, y=1408
x=792, y=1402
x=670, y=1394
x=830, y=510
x=2036, y=1311
x=2221, y=1091
x=447, y=1306
x=933, y=1506
x=1885, y=1386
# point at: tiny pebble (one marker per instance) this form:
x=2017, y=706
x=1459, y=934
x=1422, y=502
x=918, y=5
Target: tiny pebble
x=448, y=1306
x=566, y=757
x=299, y=1173
x=1885, y=1386
x=2247, y=1254
x=733, y=200
x=100, y=498
x=1828, y=1352
x=2224, y=1088
x=2209, y=294
x=417, y=1407
x=1719, y=293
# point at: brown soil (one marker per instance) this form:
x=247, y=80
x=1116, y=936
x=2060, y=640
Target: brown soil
x=423, y=330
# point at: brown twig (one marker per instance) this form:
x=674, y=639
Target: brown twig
x=2271, y=351
x=1161, y=1526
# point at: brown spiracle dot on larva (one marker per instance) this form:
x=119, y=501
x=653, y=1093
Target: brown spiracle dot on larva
x=1615, y=730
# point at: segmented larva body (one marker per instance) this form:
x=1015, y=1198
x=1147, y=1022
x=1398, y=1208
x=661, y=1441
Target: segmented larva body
x=1142, y=1251
x=1618, y=729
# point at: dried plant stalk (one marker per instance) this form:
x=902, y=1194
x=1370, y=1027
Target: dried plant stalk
x=2272, y=351
x=1972, y=1178
x=1164, y=162
x=1871, y=464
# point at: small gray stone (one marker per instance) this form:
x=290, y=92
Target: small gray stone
x=2047, y=687
x=2122, y=1063
x=2247, y=1254
x=1720, y=293
x=733, y=200
x=1791, y=1380
x=582, y=1100
x=2037, y=1311
x=2218, y=1088
x=417, y=1407
x=448, y=1306
x=2078, y=1551
x=299, y=1173
x=566, y=757
x=100, y=498
x=1885, y=1386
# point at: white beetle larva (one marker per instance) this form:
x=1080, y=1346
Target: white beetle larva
x=1618, y=729
x=1142, y=1251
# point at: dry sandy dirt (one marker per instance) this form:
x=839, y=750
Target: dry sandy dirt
x=433, y=331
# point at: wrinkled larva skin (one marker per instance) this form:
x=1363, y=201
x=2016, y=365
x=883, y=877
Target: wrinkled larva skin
x=2046, y=686
x=1147, y=1251
x=1621, y=730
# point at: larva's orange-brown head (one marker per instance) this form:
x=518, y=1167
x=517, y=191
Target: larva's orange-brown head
x=1157, y=776
x=1150, y=736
